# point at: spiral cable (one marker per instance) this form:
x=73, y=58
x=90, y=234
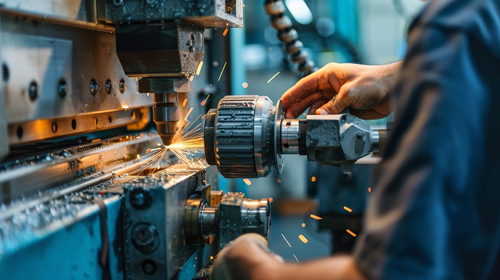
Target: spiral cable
x=288, y=36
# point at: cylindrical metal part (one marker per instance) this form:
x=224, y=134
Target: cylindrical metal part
x=290, y=135
x=382, y=141
x=255, y=215
x=233, y=216
x=193, y=227
x=166, y=115
x=241, y=138
x=209, y=136
x=209, y=220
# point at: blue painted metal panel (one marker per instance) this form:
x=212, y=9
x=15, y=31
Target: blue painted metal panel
x=67, y=250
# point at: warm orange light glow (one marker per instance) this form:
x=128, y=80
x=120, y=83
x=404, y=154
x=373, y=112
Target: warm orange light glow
x=315, y=217
x=347, y=209
x=303, y=238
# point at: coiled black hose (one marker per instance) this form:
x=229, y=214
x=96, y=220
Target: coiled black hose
x=289, y=36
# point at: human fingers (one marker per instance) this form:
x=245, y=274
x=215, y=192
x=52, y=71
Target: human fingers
x=297, y=109
x=305, y=87
x=336, y=105
x=316, y=105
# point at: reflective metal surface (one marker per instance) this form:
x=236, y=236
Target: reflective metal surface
x=208, y=13
x=241, y=136
x=247, y=136
x=291, y=133
x=233, y=216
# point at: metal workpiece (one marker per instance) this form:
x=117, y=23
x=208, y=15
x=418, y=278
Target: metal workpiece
x=247, y=135
x=241, y=136
x=337, y=139
x=293, y=136
x=206, y=13
x=240, y=215
x=233, y=216
x=160, y=50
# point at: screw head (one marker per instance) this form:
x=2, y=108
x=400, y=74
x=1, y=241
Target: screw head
x=140, y=199
x=33, y=90
x=145, y=237
x=62, y=88
x=93, y=87
x=108, y=86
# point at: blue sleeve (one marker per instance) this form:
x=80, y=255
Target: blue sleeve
x=431, y=214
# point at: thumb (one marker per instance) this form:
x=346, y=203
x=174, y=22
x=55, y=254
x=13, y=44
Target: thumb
x=334, y=106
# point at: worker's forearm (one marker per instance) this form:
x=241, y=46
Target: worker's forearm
x=391, y=72
x=339, y=267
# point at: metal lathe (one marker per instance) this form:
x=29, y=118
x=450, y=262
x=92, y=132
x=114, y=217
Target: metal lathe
x=90, y=91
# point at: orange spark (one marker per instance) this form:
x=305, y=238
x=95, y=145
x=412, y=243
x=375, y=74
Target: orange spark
x=347, y=209
x=370, y=189
x=225, y=32
x=315, y=217
x=248, y=182
x=350, y=232
x=313, y=179
x=303, y=224
x=278, y=180
x=204, y=102
x=303, y=238
x=271, y=200
x=244, y=85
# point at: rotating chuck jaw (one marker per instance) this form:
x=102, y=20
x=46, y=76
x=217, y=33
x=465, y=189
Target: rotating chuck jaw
x=247, y=136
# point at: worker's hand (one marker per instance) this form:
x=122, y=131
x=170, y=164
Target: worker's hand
x=363, y=88
x=247, y=257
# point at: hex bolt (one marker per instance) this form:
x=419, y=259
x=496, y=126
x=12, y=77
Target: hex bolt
x=360, y=135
